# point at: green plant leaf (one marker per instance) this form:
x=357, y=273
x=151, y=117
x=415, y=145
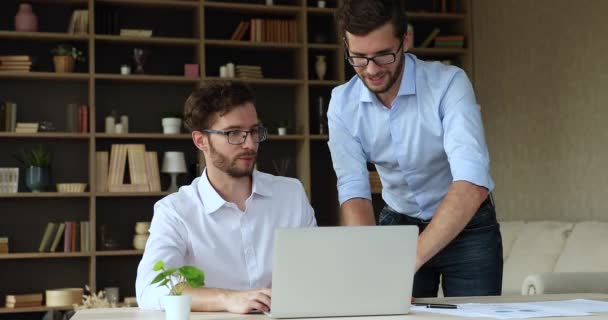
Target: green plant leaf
x=194, y=276
x=158, y=278
x=159, y=265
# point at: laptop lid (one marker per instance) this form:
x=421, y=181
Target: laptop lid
x=343, y=271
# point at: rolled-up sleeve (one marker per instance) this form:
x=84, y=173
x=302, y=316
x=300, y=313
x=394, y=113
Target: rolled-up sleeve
x=166, y=242
x=464, y=139
x=347, y=157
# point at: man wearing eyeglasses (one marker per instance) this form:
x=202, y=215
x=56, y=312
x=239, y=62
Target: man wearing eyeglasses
x=224, y=221
x=419, y=123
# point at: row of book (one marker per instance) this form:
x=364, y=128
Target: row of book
x=448, y=41
x=74, y=235
x=143, y=167
x=79, y=22
x=15, y=63
x=77, y=118
x=8, y=116
x=3, y=245
x=272, y=30
x=23, y=300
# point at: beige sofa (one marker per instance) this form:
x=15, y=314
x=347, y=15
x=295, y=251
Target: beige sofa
x=554, y=257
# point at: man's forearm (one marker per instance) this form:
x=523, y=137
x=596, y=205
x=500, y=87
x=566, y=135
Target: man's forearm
x=358, y=212
x=456, y=210
x=207, y=299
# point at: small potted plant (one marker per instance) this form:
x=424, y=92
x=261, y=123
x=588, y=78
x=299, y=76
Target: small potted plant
x=65, y=57
x=37, y=164
x=172, y=122
x=177, y=305
x=282, y=127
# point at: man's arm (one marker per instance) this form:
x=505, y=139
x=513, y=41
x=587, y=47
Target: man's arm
x=213, y=299
x=358, y=212
x=456, y=210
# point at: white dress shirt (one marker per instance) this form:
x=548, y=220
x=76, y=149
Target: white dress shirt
x=196, y=226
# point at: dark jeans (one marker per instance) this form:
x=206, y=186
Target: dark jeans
x=471, y=265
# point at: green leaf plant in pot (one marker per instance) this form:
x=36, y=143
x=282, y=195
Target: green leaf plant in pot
x=65, y=57
x=177, y=305
x=37, y=163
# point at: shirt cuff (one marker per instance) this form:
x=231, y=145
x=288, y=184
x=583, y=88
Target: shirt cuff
x=353, y=186
x=471, y=171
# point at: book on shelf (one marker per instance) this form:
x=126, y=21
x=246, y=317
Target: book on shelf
x=455, y=41
x=58, y=237
x=8, y=116
x=273, y=30
x=143, y=169
x=101, y=169
x=3, y=245
x=15, y=58
x=427, y=41
x=79, y=22
x=23, y=300
x=47, y=237
x=146, y=33
x=26, y=127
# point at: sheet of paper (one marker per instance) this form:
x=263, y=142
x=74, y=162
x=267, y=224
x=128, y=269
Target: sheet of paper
x=582, y=305
x=519, y=310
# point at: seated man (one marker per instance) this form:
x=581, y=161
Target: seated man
x=224, y=222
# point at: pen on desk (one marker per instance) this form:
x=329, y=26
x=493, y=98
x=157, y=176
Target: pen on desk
x=437, y=305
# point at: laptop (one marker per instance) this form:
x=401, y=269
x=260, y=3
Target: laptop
x=343, y=271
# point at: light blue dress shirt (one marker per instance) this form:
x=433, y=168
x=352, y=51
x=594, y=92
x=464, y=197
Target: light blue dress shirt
x=431, y=136
x=196, y=226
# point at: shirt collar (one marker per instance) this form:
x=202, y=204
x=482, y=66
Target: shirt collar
x=408, y=82
x=212, y=201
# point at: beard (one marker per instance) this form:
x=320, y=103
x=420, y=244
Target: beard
x=393, y=77
x=230, y=166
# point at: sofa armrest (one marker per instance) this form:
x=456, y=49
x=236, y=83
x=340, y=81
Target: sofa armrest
x=565, y=282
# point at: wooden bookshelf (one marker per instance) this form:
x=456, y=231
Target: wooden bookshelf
x=42, y=36
x=33, y=309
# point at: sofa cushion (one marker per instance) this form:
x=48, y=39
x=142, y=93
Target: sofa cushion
x=535, y=250
x=586, y=249
x=509, y=231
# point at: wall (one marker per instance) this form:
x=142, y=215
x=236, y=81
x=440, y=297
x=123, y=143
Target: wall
x=541, y=77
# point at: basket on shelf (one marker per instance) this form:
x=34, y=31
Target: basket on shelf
x=71, y=187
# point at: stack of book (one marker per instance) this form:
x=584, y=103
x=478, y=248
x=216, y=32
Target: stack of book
x=143, y=168
x=23, y=300
x=77, y=118
x=251, y=72
x=26, y=127
x=3, y=245
x=456, y=41
x=15, y=63
x=74, y=234
x=8, y=116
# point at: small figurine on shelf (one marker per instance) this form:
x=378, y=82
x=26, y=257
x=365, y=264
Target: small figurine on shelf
x=139, y=56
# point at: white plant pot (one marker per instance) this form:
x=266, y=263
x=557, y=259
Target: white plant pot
x=282, y=131
x=171, y=125
x=177, y=307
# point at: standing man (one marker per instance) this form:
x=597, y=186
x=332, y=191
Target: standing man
x=420, y=125
x=225, y=221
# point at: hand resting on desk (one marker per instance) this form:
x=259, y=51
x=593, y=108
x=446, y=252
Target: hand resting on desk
x=248, y=301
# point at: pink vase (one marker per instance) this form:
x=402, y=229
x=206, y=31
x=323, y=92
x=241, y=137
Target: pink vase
x=26, y=20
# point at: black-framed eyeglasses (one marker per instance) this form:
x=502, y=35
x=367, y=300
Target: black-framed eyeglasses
x=238, y=136
x=380, y=59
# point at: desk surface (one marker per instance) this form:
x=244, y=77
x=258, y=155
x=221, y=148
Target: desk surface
x=138, y=314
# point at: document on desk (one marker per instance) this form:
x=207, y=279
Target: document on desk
x=524, y=310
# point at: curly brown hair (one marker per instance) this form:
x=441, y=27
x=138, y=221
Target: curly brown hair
x=361, y=17
x=214, y=99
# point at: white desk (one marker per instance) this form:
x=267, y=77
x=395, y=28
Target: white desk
x=135, y=313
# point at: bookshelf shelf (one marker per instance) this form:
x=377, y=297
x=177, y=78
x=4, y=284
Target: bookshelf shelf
x=438, y=52
x=155, y=136
x=44, y=135
x=250, y=44
x=33, y=309
x=115, y=253
x=321, y=11
x=152, y=3
x=130, y=194
x=43, y=255
x=319, y=137
x=60, y=2
x=264, y=81
x=42, y=36
x=252, y=8
x=147, y=40
x=325, y=83
x=324, y=46
x=145, y=78
x=288, y=137
x=19, y=195
x=435, y=16
x=35, y=75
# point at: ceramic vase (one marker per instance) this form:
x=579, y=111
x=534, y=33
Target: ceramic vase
x=25, y=19
x=321, y=67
